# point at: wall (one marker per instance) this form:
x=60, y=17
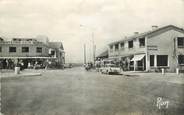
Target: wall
x=165, y=46
x=127, y=51
x=32, y=50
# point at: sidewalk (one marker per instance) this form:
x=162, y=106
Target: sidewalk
x=167, y=77
x=151, y=74
x=24, y=73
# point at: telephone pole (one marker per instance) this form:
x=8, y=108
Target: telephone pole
x=94, y=47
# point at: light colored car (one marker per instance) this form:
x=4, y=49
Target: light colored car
x=67, y=65
x=110, y=68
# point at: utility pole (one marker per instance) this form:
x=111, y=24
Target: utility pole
x=94, y=47
x=84, y=53
x=94, y=52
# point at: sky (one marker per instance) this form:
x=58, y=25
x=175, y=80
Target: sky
x=74, y=22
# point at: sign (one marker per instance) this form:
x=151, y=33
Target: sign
x=152, y=47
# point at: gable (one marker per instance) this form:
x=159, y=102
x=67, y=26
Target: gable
x=165, y=29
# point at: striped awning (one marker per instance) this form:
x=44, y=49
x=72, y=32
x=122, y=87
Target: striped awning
x=138, y=57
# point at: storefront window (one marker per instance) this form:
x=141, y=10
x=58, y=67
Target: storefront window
x=152, y=60
x=162, y=60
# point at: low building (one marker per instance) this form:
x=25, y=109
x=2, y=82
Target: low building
x=150, y=51
x=31, y=50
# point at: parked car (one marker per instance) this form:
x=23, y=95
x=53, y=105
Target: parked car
x=110, y=69
x=67, y=65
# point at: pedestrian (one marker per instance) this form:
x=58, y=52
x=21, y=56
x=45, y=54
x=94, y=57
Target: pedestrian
x=35, y=65
x=7, y=64
x=22, y=65
x=46, y=63
x=29, y=65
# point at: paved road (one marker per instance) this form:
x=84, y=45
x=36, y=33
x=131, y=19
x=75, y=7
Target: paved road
x=78, y=92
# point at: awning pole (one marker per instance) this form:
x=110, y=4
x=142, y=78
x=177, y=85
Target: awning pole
x=143, y=63
x=135, y=65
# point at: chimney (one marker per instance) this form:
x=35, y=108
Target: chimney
x=154, y=27
x=136, y=33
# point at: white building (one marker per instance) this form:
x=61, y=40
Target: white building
x=150, y=51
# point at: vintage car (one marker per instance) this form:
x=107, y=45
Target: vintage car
x=67, y=65
x=110, y=69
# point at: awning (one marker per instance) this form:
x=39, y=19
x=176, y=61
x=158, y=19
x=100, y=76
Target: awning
x=138, y=57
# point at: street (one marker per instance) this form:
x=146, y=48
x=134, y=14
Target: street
x=78, y=92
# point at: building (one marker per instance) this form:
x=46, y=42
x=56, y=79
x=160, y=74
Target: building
x=150, y=51
x=31, y=50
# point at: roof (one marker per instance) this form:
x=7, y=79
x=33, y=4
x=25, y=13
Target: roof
x=150, y=33
x=57, y=45
x=103, y=54
x=24, y=39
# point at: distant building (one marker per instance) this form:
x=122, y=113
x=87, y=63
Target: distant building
x=57, y=50
x=150, y=51
x=31, y=49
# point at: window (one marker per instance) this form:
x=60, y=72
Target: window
x=122, y=45
x=116, y=46
x=162, y=60
x=39, y=49
x=12, y=49
x=111, y=47
x=152, y=60
x=0, y=49
x=180, y=59
x=180, y=42
x=25, y=49
x=142, y=42
x=130, y=44
x=52, y=52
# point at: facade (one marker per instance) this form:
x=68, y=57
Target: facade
x=31, y=49
x=150, y=51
